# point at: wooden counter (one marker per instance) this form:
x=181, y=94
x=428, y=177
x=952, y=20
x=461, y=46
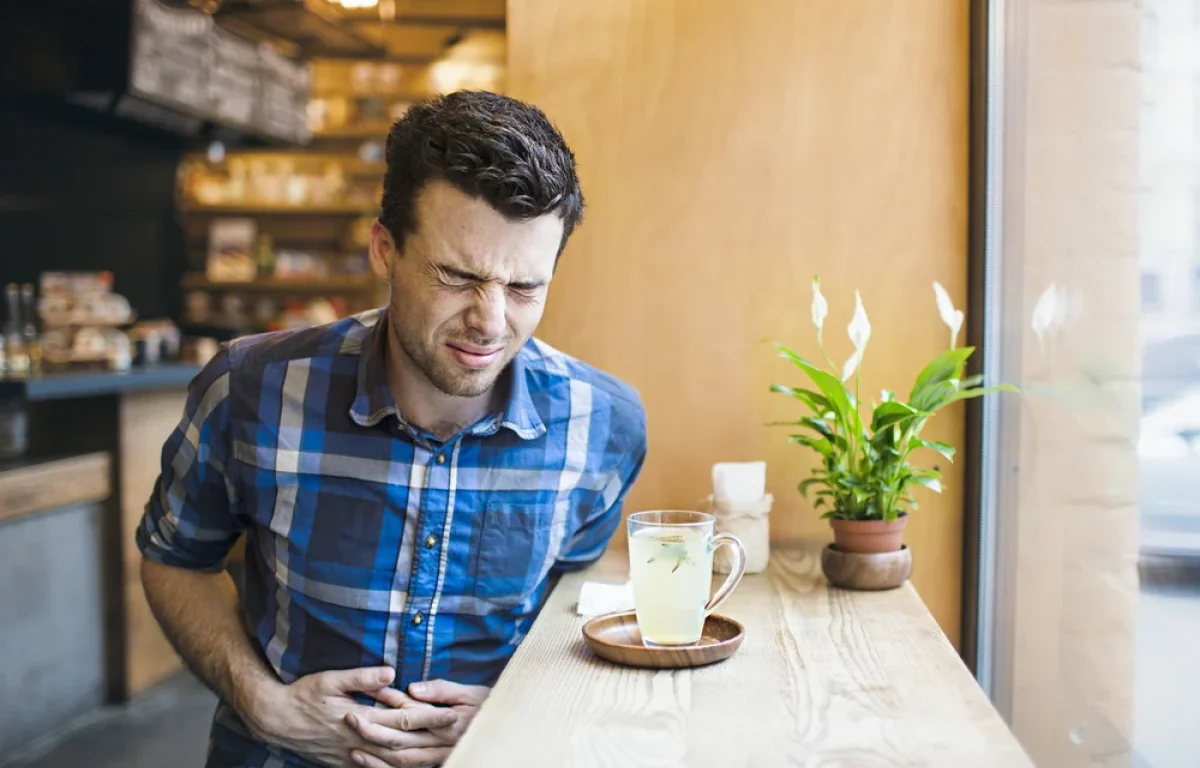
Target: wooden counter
x=824, y=677
x=31, y=486
x=114, y=425
x=53, y=609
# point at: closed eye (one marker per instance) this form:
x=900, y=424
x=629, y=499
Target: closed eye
x=529, y=287
x=453, y=276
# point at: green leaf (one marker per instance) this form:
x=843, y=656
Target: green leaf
x=806, y=484
x=890, y=413
x=819, y=425
x=969, y=394
x=820, y=445
x=932, y=483
x=935, y=396
x=830, y=386
x=884, y=438
x=943, y=368
x=946, y=450
x=813, y=400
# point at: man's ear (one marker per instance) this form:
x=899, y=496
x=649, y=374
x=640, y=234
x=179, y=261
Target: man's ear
x=382, y=250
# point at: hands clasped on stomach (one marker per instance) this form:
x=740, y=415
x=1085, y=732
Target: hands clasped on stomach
x=317, y=718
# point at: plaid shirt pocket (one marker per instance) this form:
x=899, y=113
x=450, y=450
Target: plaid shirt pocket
x=513, y=544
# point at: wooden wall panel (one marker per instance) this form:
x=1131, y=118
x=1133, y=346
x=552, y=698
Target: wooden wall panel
x=728, y=151
x=146, y=422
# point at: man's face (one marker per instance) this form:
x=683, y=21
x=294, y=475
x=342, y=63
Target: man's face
x=469, y=288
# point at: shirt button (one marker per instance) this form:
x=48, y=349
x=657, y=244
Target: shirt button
x=441, y=459
x=418, y=619
x=430, y=541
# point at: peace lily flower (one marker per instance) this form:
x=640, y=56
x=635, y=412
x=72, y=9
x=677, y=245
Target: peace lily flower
x=859, y=330
x=953, y=318
x=820, y=307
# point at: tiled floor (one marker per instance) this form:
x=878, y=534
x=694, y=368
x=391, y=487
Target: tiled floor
x=166, y=728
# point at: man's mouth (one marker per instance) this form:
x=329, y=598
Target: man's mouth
x=471, y=356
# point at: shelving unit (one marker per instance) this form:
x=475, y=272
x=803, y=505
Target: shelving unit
x=344, y=285
x=336, y=186
x=276, y=209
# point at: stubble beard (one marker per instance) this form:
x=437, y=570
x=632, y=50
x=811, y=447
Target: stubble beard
x=445, y=375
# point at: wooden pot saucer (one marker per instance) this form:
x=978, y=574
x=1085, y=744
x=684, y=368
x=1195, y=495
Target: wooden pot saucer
x=616, y=638
x=867, y=572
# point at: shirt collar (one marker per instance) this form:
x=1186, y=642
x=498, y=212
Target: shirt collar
x=373, y=399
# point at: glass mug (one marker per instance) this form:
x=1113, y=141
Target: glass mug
x=670, y=567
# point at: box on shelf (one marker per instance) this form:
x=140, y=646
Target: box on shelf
x=231, y=250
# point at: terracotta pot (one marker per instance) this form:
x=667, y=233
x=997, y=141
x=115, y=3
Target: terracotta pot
x=869, y=536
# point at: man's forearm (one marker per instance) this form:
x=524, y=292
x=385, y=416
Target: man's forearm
x=198, y=612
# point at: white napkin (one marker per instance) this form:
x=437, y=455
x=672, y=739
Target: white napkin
x=596, y=599
x=739, y=480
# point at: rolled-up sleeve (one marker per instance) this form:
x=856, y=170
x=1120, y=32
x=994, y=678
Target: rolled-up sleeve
x=628, y=445
x=191, y=520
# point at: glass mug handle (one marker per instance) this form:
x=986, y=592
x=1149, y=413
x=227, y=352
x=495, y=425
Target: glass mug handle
x=735, y=573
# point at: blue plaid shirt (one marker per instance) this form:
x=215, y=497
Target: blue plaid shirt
x=370, y=541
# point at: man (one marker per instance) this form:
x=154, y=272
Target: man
x=410, y=480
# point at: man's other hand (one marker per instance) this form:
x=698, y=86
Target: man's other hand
x=310, y=717
x=413, y=709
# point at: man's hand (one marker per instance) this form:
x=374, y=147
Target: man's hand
x=463, y=700
x=310, y=717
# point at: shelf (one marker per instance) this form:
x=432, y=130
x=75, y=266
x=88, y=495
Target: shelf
x=316, y=28
x=347, y=160
x=339, y=90
x=283, y=285
x=59, y=385
x=277, y=209
x=364, y=132
x=223, y=330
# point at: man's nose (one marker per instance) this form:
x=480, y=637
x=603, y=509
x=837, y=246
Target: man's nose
x=486, y=315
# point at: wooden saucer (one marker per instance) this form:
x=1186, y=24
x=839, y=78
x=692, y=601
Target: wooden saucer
x=616, y=637
x=866, y=572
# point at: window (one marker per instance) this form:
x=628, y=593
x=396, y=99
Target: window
x=1151, y=292
x=1090, y=513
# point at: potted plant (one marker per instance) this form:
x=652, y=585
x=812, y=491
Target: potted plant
x=863, y=484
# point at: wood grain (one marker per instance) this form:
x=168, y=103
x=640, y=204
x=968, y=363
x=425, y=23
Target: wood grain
x=729, y=151
x=50, y=485
x=869, y=571
x=823, y=678
x=146, y=420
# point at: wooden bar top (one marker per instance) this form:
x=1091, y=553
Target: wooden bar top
x=40, y=485
x=824, y=677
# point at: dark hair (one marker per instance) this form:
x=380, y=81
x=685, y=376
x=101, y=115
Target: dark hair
x=489, y=146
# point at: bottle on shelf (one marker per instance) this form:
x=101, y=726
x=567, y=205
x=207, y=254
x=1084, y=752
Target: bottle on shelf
x=264, y=257
x=30, y=333
x=17, y=358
